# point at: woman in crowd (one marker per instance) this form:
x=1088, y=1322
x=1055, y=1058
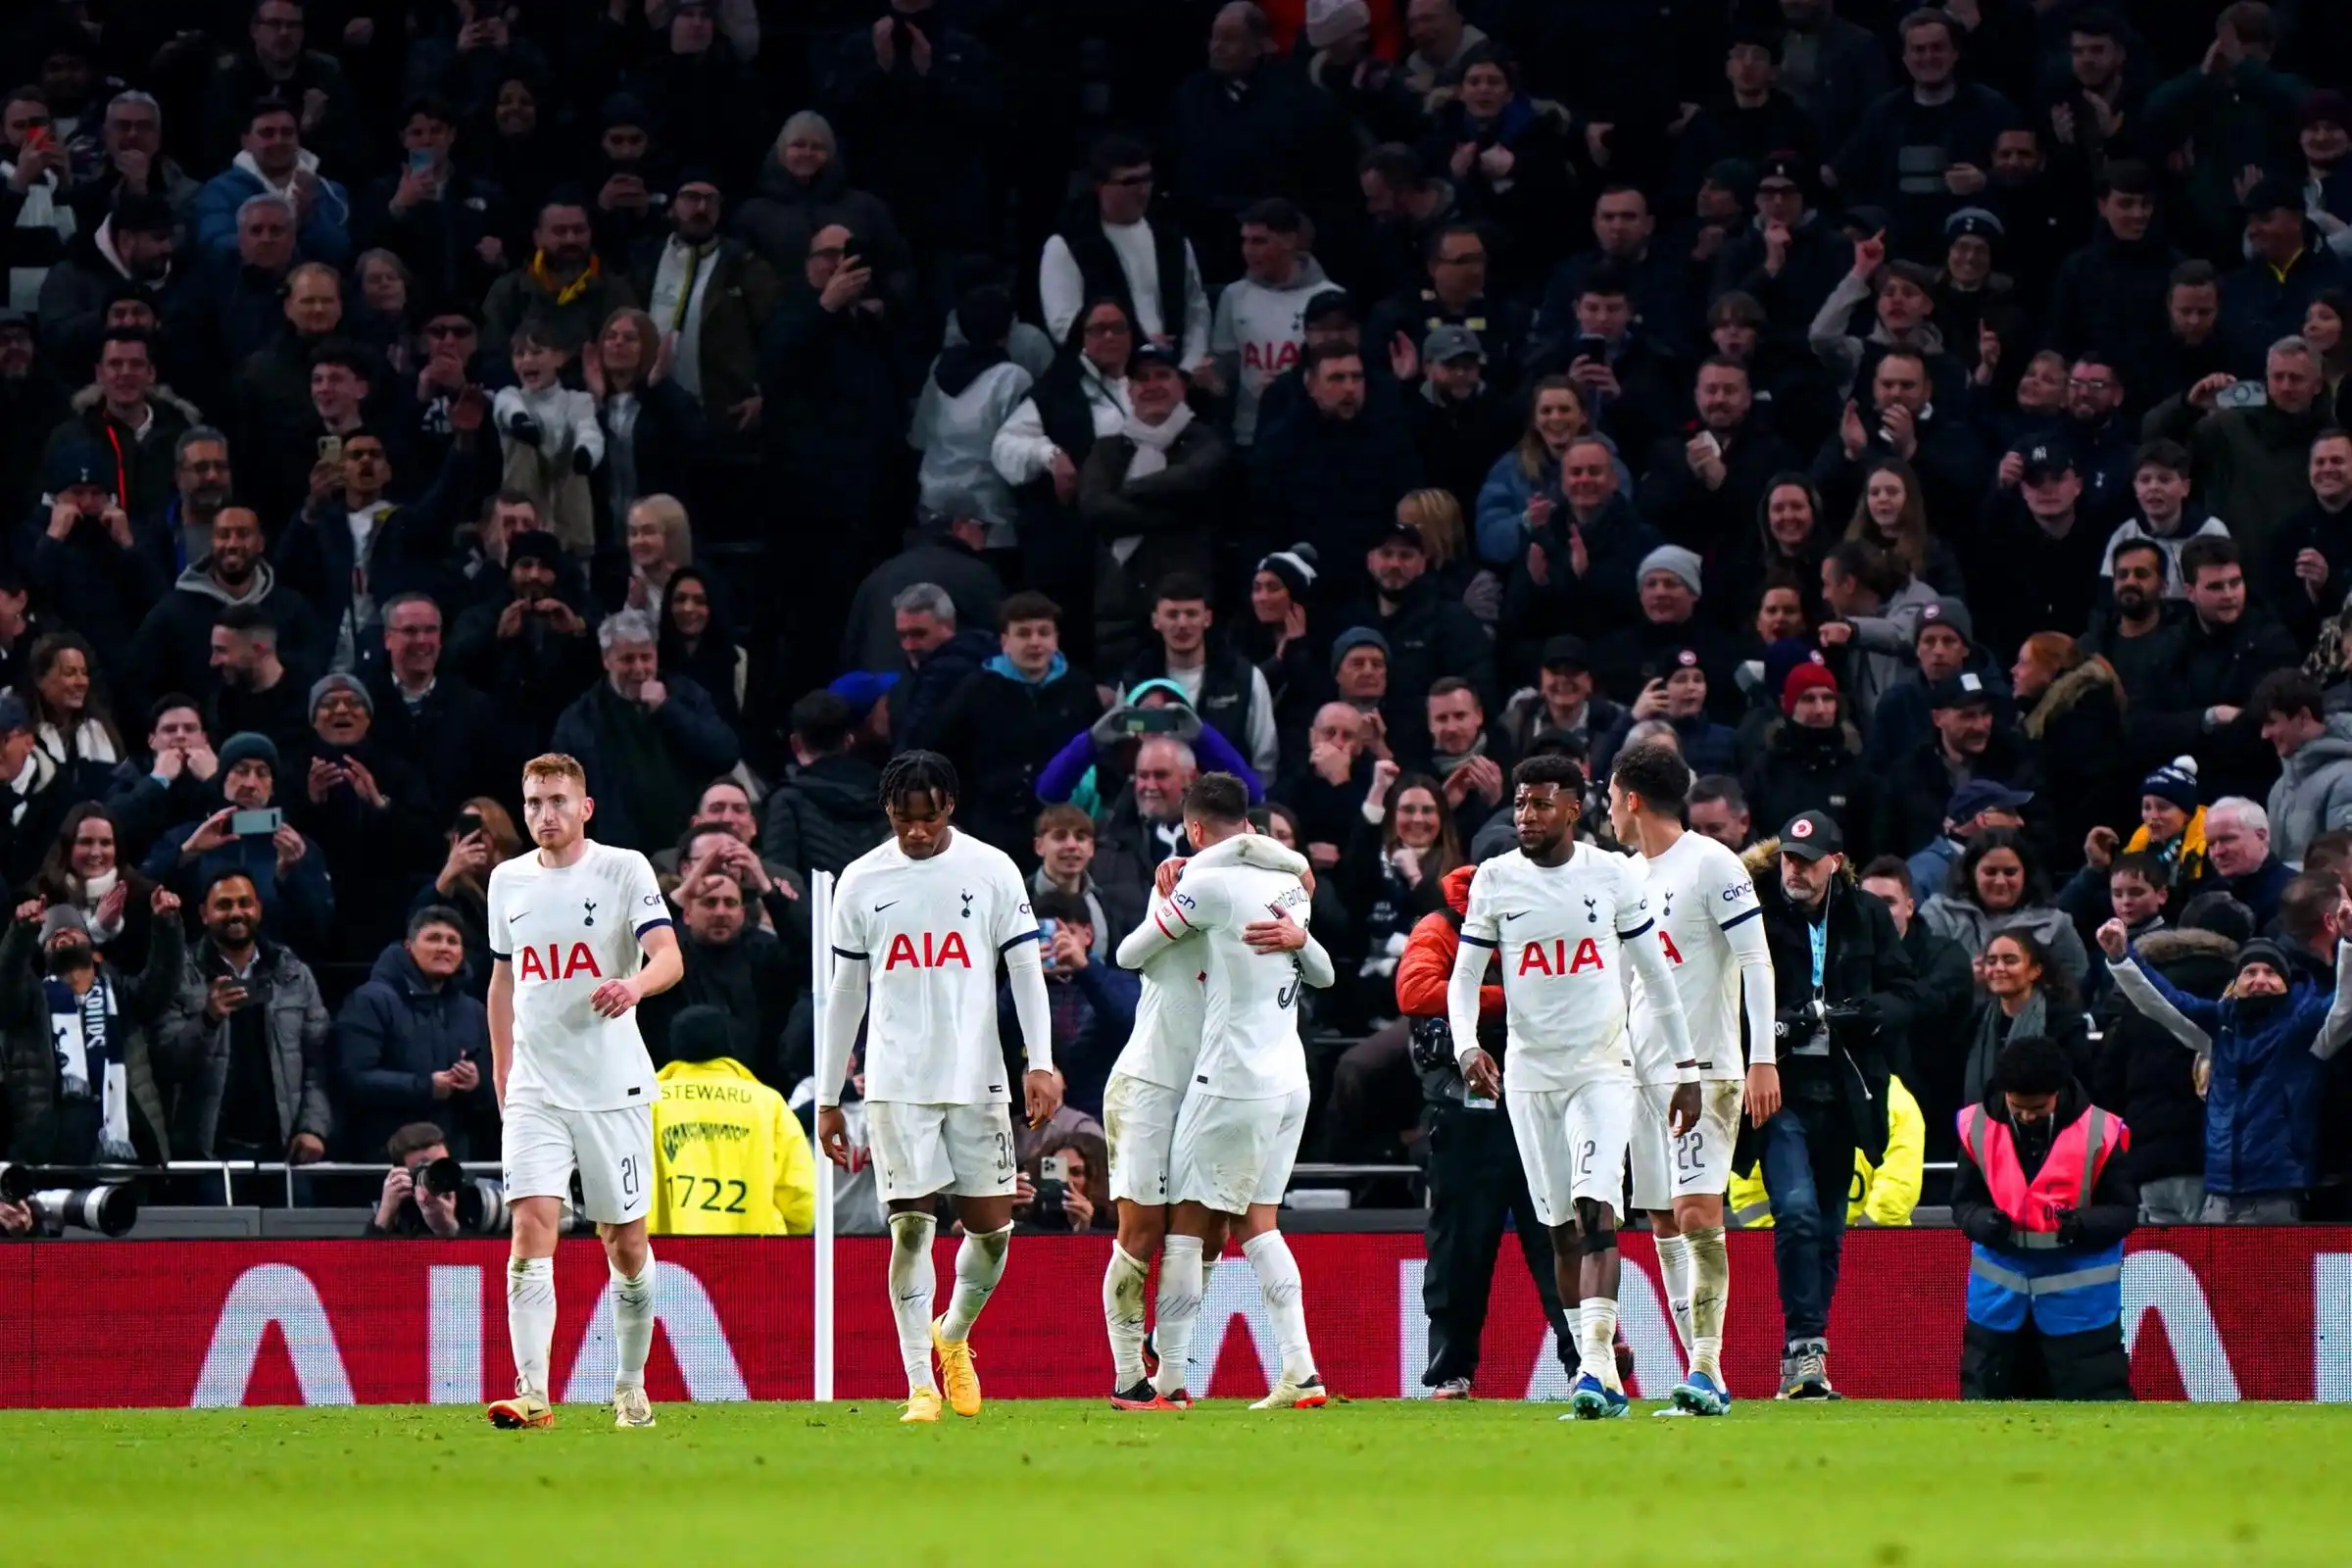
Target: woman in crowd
x=1524, y=485
x=1276, y=640
x=1998, y=885
x=76, y=744
x=656, y=542
x=1040, y=450
x=652, y=427
x=1791, y=537
x=83, y=869
x=482, y=837
x=2025, y=992
x=2324, y=323
x=2073, y=721
x=386, y=314
x=1892, y=514
x=696, y=646
x=1437, y=515
x=1402, y=846
x=802, y=187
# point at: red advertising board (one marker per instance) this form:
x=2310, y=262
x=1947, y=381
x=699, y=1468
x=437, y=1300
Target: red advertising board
x=2212, y=1315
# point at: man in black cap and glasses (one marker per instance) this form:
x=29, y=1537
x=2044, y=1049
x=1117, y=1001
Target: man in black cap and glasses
x=1843, y=996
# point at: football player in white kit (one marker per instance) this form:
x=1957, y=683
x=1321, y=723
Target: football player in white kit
x=924, y=920
x=1140, y=1104
x=567, y=924
x=1706, y=904
x=1237, y=1133
x=1568, y=922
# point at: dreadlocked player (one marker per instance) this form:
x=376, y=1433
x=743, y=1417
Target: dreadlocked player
x=924, y=920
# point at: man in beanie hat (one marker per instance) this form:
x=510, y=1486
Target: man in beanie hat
x=527, y=644
x=74, y=1035
x=369, y=811
x=716, y=294
x=729, y=1133
x=1632, y=660
x=1812, y=759
x=288, y=872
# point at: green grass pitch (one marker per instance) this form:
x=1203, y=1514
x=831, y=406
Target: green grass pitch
x=1072, y=1482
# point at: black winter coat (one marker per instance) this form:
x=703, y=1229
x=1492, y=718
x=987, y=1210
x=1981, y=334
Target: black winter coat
x=1332, y=483
x=1001, y=733
x=833, y=414
x=1920, y=786
x=393, y=1033
x=825, y=815
x=1804, y=769
x=1711, y=522
x=30, y=1059
x=2217, y=667
x=2146, y=1076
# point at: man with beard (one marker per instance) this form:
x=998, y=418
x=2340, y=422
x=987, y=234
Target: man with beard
x=716, y=295
x=174, y=645
x=81, y=1086
x=2140, y=629
x=201, y=481
x=563, y=285
x=249, y=1031
x=130, y=248
x=1145, y=824
x=255, y=691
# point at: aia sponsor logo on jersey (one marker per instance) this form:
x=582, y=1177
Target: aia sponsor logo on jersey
x=1557, y=960
x=551, y=963
x=937, y=952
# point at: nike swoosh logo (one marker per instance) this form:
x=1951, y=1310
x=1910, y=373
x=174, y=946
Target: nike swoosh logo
x=879, y=907
x=1514, y=914
x=518, y=915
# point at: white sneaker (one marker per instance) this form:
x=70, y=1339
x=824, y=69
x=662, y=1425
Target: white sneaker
x=1289, y=1395
x=631, y=1408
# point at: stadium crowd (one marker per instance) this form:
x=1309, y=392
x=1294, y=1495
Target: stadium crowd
x=1928, y=416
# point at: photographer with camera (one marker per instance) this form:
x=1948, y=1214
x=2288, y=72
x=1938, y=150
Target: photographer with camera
x=413, y=1202
x=1845, y=992
x=81, y=1083
x=1476, y=1184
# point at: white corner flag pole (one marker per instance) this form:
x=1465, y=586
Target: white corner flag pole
x=820, y=970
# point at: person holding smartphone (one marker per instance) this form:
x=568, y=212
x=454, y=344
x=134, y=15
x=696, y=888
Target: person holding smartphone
x=412, y=1046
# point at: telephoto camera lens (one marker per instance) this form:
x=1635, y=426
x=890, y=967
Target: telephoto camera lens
x=445, y=1176
x=15, y=1183
x=109, y=1211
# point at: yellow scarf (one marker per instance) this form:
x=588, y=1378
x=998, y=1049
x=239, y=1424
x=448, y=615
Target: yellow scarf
x=565, y=293
x=2186, y=854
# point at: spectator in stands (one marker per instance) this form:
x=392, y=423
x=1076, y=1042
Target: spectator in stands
x=246, y=1040
x=527, y=647
x=176, y=778
x=1150, y=494
x=1967, y=743
x=1811, y=759
x=643, y=740
x=2025, y=996
x=1581, y=566
x=1934, y=1049
x=174, y=641
x=1007, y=721
x=2253, y=458
x=85, y=563
x=1998, y=885
x=1331, y=476
x=729, y=1157
x=289, y=875
x=2310, y=569
x=429, y=717
x=2239, y=852
x=828, y=811
x=79, y=1038
x=410, y=1045
x=1144, y=824
x=2314, y=792
x=750, y=975
x=125, y=413
x=2142, y=1071
x=1564, y=700
x=973, y=388
x=255, y=690
x=273, y=161
x=564, y=285
x=2073, y=727
x=87, y=870
x=1979, y=806
x=1944, y=644
x=1093, y=1000
x=2270, y=1036
x=1065, y=846
x=1718, y=811
x=481, y=839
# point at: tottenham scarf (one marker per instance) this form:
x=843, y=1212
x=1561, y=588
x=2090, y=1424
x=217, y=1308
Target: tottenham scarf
x=84, y=1031
x=565, y=293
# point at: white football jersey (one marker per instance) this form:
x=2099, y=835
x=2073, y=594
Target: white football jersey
x=1165, y=1042
x=1699, y=890
x=931, y=933
x=1560, y=933
x=1249, y=1045
x=563, y=931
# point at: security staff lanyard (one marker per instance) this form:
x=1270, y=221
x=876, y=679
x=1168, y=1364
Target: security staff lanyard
x=1817, y=935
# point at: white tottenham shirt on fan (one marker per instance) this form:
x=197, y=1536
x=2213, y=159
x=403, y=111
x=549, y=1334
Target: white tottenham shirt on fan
x=563, y=931
x=930, y=934
x=1698, y=891
x=1560, y=933
x=1165, y=1042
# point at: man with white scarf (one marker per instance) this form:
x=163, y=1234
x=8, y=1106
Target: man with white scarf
x=81, y=1089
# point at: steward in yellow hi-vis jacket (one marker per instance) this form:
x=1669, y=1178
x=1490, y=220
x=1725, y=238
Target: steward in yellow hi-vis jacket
x=729, y=1157
x=1880, y=1194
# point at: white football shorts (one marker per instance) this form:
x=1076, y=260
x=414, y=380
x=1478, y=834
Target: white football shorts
x=1698, y=1163
x=1572, y=1142
x=611, y=1149
x=1140, y=1121
x=1230, y=1153
x=920, y=1150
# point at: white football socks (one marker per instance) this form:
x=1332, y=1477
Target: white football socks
x=1674, y=1273
x=1179, y=1306
x=632, y=1324
x=1285, y=1300
x=979, y=1264
x=1596, y=1342
x=1124, y=1316
x=1711, y=1273
x=912, y=1280
x=531, y=1318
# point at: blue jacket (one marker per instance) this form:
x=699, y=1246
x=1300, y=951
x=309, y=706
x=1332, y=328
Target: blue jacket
x=405, y=552
x=1502, y=504
x=2262, y=1108
x=1093, y=1012
x=297, y=912
x=325, y=234
x=394, y=1033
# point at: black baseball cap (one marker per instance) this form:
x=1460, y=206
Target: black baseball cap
x=2050, y=460
x=1566, y=652
x=1963, y=690
x=1810, y=835
x=1327, y=303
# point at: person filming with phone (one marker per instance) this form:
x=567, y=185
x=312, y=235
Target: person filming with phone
x=412, y=1046
x=249, y=836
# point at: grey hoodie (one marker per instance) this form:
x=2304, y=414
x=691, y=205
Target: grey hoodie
x=1968, y=923
x=1258, y=334
x=2314, y=792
